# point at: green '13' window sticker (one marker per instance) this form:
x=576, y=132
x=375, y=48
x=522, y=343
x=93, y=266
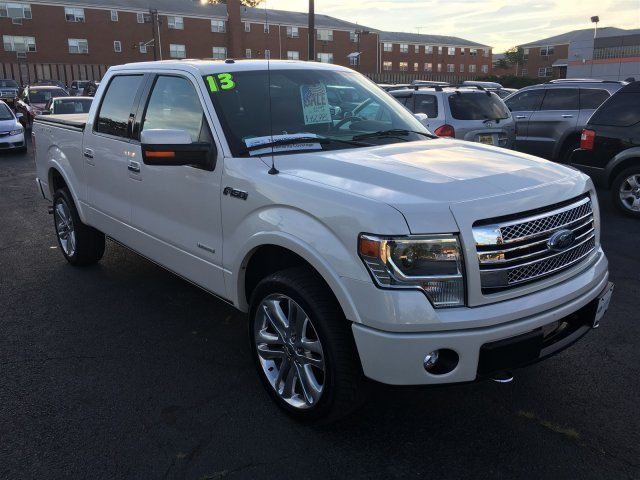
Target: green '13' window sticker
x=222, y=81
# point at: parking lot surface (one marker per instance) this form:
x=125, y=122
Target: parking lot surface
x=123, y=370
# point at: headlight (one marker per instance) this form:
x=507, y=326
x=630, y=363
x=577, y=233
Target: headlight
x=432, y=263
x=16, y=131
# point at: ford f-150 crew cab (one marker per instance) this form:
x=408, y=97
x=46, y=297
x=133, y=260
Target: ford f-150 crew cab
x=360, y=247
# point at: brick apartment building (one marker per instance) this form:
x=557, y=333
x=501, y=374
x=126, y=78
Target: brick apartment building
x=79, y=39
x=608, y=54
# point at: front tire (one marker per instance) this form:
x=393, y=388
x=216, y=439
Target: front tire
x=625, y=191
x=80, y=244
x=304, y=348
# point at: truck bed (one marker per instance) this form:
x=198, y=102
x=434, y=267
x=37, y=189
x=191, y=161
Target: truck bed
x=75, y=121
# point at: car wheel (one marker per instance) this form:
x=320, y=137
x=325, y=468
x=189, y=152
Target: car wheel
x=625, y=191
x=304, y=348
x=79, y=243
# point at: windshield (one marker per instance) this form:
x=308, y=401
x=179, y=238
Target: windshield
x=8, y=84
x=43, y=96
x=335, y=106
x=477, y=106
x=5, y=113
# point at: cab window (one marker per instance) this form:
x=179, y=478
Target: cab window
x=117, y=102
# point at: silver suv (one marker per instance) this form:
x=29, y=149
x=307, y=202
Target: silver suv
x=550, y=116
x=465, y=113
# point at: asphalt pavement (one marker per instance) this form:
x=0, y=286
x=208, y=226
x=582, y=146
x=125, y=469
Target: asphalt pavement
x=124, y=371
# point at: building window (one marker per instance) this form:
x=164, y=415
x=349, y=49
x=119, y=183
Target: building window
x=545, y=71
x=292, y=32
x=451, y=68
x=451, y=51
x=353, y=36
x=117, y=46
x=472, y=69
x=78, y=45
x=267, y=54
x=524, y=72
x=462, y=68
x=487, y=53
x=175, y=23
x=404, y=66
x=219, y=53
x=404, y=48
x=428, y=49
x=114, y=15
x=354, y=59
x=387, y=65
x=15, y=10
x=416, y=48
x=266, y=28
x=525, y=54
x=293, y=55
x=247, y=27
x=439, y=67
x=416, y=66
x=140, y=17
x=177, y=50
x=428, y=67
x=325, y=57
x=19, y=44
x=142, y=47
x=218, y=26
x=462, y=51
x=473, y=52
x=74, y=14
x=485, y=68
x=546, y=51
x=387, y=47
x=247, y=53
x=325, y=35
x=439, y=50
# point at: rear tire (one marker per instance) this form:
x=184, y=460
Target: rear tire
x=80, y=244
x=303, y=347
x=625, y=191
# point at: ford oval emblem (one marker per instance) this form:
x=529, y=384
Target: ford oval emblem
x=561, y=240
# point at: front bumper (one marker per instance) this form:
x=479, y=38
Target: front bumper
x=12, y=141
x=397, y=358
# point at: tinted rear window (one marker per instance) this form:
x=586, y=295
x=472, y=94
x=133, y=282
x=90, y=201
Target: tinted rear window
x=592, y=97
x=525, y=101
x=621, y=110
x=477, y=106
x=561, y=99
x=427, y=104
x=117, y=104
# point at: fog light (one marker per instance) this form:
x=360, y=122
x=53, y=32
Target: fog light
x=430, y=361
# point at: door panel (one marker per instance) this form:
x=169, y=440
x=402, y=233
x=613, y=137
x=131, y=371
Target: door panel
x=522, y=106
x=558, y=115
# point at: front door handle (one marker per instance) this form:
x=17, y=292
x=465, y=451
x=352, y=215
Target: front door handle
x=88, y=153
x=520, y=117
x=133, y=167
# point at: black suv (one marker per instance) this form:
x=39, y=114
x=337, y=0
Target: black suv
x=550, y=116
x=610, y=148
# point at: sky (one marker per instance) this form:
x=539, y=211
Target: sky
x=501, y=24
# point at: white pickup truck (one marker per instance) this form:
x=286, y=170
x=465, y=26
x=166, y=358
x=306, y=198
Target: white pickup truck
x=359, y=245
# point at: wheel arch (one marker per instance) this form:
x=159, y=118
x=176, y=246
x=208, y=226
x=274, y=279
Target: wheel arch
x=57, y=178
x=569, y=139
x=622, y=161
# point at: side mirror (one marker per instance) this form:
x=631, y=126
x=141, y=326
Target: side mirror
x=169, y=147
x=19, y=116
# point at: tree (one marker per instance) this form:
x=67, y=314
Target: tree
x=515, y=56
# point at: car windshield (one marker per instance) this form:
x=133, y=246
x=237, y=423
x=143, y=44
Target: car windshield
x=477, y=106
x=293, y=107
x=43, y=96
x=71, y=106
x=8, y=84
x=5, y=113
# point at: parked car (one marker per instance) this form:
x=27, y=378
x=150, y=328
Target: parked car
x=49, y=82
x=33, y=99
x=67, y=105
x=466, y=113
x=551, y=116
x=494, y=87
x=11, y=131
x=9, y=92
x=90, y=88
x=360, y=247
x=77, y=87
x=610, y=148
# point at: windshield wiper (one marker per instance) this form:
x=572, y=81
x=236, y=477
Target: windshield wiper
x=394, y=132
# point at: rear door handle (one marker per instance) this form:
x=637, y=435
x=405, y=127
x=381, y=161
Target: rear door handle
x=133, y=166
x=567, y=116
x=88, y=153
x=521, y=117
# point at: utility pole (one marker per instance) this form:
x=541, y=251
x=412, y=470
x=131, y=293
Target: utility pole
x=153, y=13
x=312, y=31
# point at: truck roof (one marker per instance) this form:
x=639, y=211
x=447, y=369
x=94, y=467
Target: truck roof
x=208, y=66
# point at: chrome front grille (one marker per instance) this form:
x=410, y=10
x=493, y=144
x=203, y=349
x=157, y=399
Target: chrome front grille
x=514, y=251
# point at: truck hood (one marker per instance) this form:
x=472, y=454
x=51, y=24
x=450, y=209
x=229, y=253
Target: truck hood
x=420, y=178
